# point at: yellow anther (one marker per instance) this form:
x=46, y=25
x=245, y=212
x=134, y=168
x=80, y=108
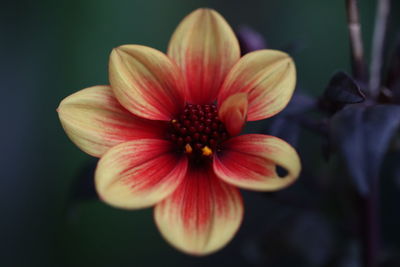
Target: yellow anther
x=188, y=149
x=174, y=121
x=207, y=151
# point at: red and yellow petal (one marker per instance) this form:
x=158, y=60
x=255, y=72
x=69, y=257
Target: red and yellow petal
x=233, y=113
x=95, y=121
x=202, y=215
x=146, y=82
x=205, y=48
x=139, y=173
x=250, y=162
x=269, y=78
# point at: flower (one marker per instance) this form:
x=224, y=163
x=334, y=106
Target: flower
x=166, y=130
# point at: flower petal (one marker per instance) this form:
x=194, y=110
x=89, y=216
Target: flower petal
x=268, y=76
x=139, y=173
x=205, y=48
x=146, y=82
x=233, y=113
x=95, y=121
x=250, y=161
x=202, y=215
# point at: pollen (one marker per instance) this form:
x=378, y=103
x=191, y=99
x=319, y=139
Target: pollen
x=207, y=151
x=188, y=149
x=197, y=131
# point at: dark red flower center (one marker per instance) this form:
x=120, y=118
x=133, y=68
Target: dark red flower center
x=197, y=131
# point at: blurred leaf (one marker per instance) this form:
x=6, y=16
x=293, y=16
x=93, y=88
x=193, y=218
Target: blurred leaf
x=286, y=125
x=349, y=255
x=250, y=40
x=290, y=243
x=83, y=187
x=284, y=128
x=299, y=103
x=343, y=89
x=393, y=77
x=294, y=47
x=362, y=135
x=390, y=258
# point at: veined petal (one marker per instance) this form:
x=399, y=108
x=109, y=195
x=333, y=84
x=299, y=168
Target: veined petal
x=250, y=161
x=146, y=82
x=233, y=113
x=269, y=78
x=95, y=121
x=205, y=48
x=139, y=173
x=202, y=215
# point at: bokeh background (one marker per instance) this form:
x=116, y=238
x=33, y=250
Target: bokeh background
x=50, y=49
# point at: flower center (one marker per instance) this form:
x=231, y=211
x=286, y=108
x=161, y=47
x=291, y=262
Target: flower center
x=198, y=131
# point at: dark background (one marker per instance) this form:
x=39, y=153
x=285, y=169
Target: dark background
x=51, y=49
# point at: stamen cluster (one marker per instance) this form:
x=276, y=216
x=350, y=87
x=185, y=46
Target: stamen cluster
x=198, y=130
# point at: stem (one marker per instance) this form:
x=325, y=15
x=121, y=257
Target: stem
x=371, y=226
x=356, y=44
x=382, y=14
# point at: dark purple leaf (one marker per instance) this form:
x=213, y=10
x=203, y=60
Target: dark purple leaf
x=250, y=40
x=362, y=135
x=343, y=89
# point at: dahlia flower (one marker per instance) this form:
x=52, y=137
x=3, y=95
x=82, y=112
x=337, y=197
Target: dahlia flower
x=167, y=128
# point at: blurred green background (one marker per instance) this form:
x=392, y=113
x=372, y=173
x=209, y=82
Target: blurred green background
x=51, y=49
